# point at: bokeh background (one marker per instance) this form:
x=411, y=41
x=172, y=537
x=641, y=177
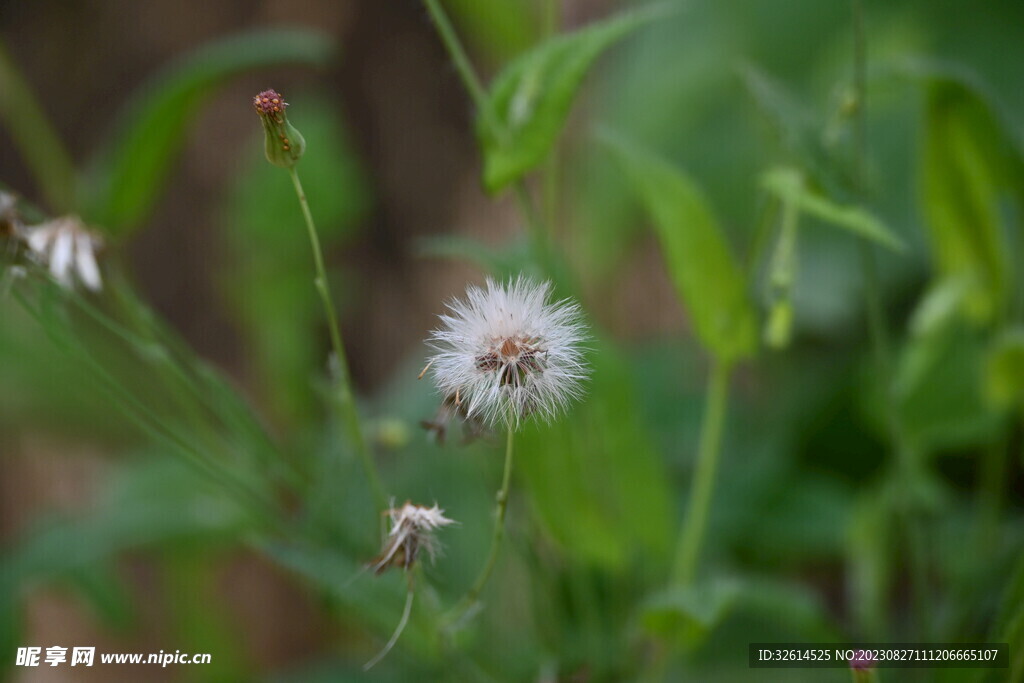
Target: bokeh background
x=108, y=542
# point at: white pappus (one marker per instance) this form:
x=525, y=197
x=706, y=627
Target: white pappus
x=507, y=352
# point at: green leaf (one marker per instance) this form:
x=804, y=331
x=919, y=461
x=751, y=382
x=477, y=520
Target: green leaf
x=789, y=186
x=687, y=614
x=127, y=176
x=940, y=392
x=530, y=99
x=706, y=274
x=965, y=158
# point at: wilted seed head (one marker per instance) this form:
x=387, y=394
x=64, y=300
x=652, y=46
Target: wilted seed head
x=412, y=528
x=505, y=352
x=283, y=144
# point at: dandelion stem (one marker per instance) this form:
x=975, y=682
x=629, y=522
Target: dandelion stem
x=694, y=525
x=471, y=597
x=349, y=413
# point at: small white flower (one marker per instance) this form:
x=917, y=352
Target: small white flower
x=412, y=528
x=68, y=247
x=506, y=352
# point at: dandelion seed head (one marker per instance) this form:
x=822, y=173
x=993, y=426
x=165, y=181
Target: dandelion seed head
x=412, y=532
x=506, y=352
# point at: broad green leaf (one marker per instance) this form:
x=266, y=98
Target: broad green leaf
x=789, y=185
x=127, y=176
x=706, y=274
x=939, y=388
x=530, y=99
x=965, y=159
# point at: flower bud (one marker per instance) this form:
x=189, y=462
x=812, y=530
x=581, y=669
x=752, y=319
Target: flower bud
x=283, y=144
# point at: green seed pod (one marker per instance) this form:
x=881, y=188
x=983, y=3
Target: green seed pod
x=283, y=144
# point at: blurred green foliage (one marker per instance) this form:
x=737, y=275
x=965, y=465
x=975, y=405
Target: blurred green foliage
x=858, y=497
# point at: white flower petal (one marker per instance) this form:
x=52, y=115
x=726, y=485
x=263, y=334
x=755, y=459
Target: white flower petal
x=85, y=261
x=61, y=256
x=39, y=239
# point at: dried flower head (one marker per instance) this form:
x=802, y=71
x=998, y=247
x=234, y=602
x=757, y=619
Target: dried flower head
x=506, y=352
x=68, y=247
x=283, y=144
x=412, y=531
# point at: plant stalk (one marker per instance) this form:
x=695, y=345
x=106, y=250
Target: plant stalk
x=473, y=595
x=459, y=57
x=695, y=522
x=347, y=405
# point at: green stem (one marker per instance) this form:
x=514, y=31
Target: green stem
x=35, y=138
x=695, y=523
x=471, y=597
x=349, y=413
x=461, y=60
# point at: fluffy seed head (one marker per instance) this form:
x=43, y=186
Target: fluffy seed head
x=412, y=528
x=506, y=352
